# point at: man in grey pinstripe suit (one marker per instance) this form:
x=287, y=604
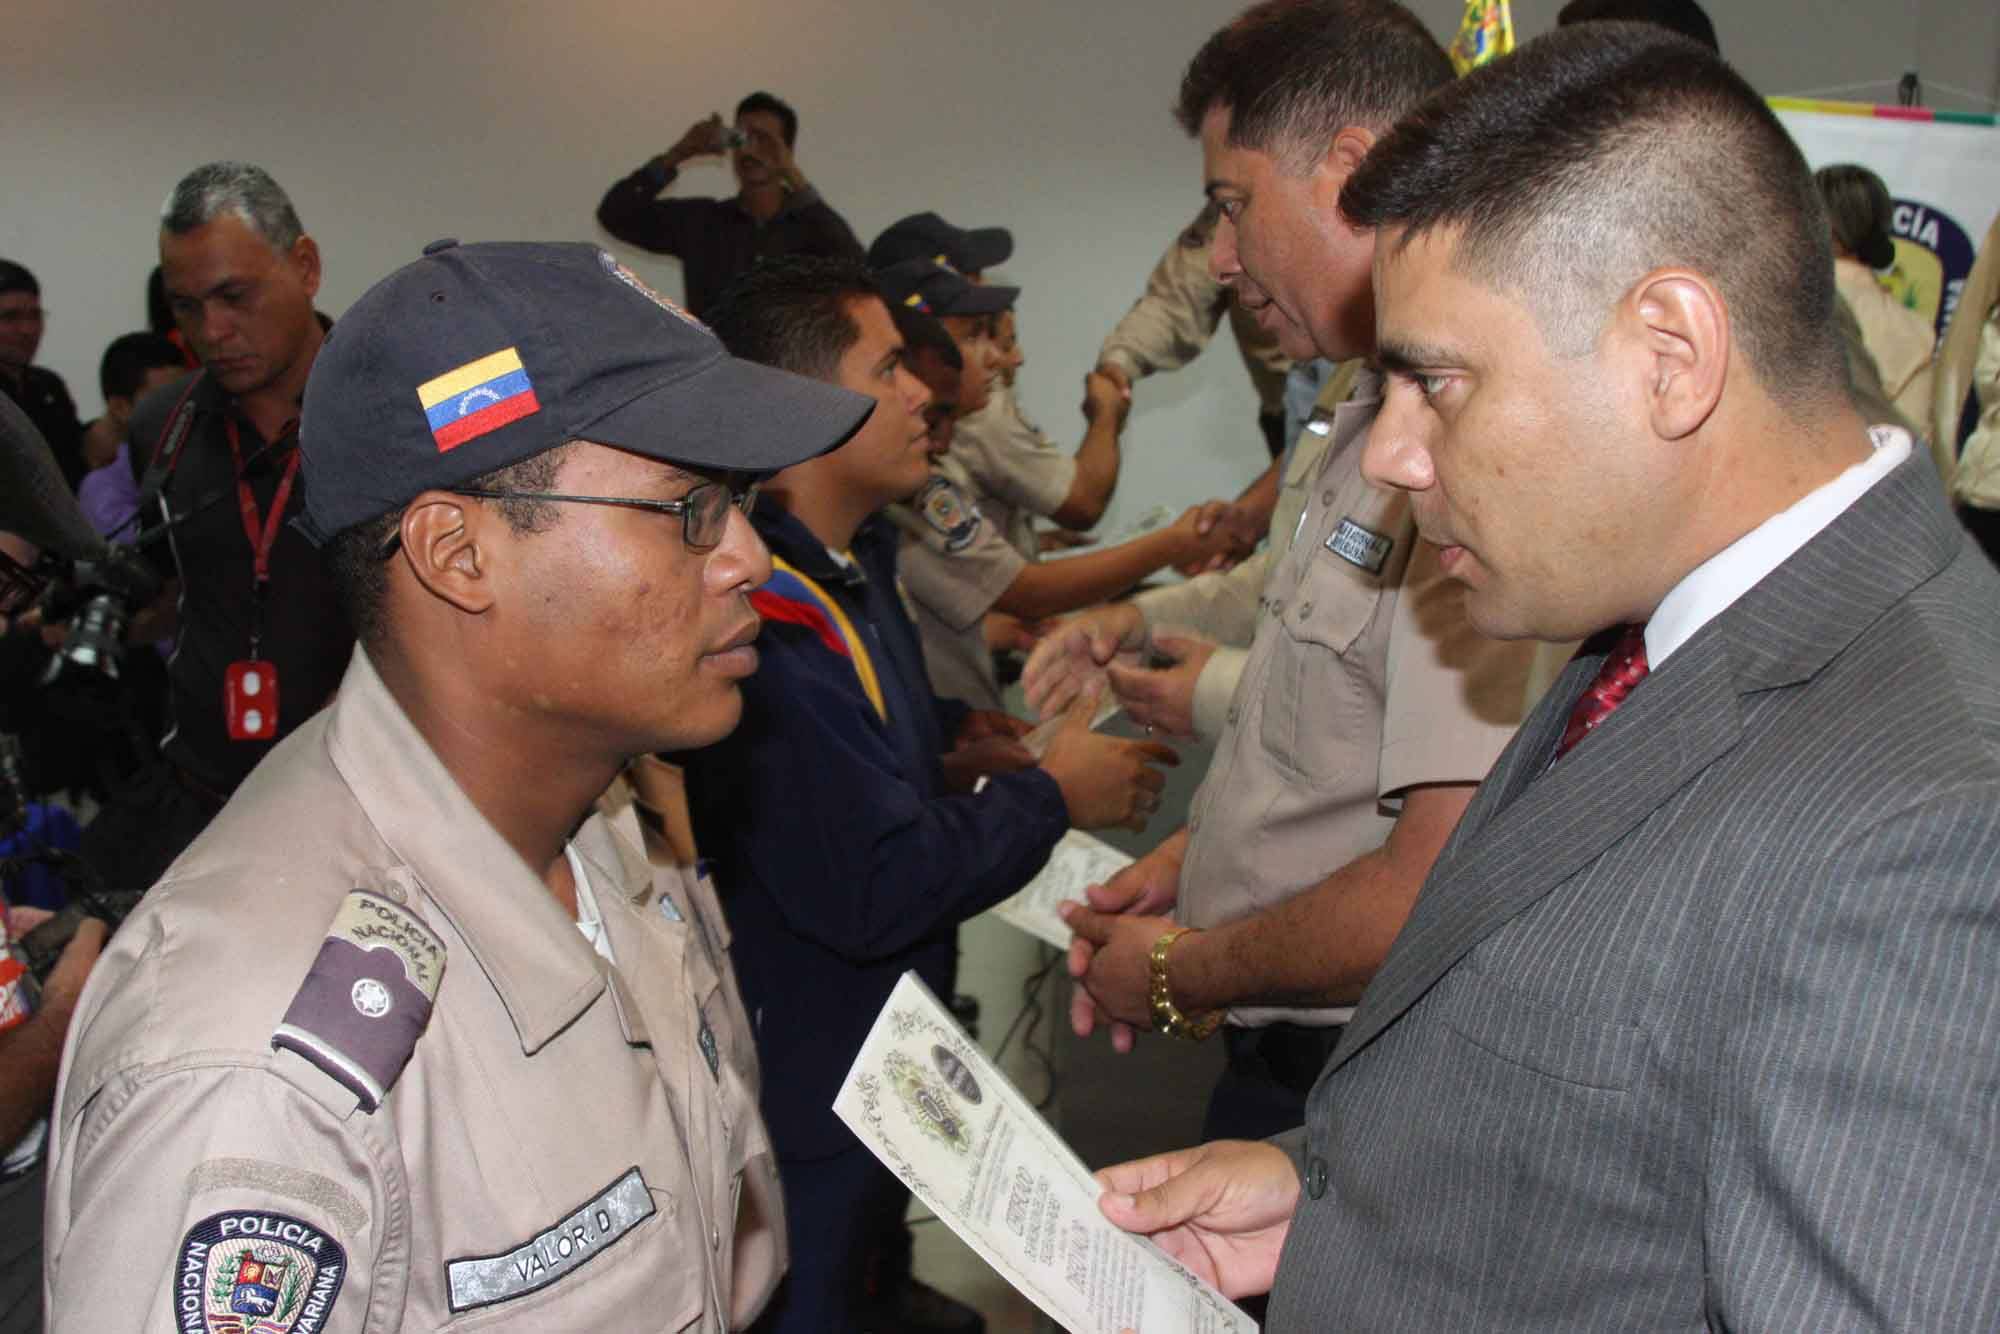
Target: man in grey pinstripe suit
x=1695, y=1023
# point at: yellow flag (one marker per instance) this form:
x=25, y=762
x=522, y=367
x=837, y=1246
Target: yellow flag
x=1485, y=34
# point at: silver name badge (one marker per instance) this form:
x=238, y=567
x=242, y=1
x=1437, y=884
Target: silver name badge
x=533, y=1265
x=1360, y=546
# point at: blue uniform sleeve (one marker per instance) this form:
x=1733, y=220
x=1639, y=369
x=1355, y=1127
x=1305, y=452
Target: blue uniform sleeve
x=810, y=799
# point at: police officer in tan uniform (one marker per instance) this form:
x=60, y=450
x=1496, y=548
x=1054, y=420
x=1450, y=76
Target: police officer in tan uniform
x=410, y=1037
x=1367, y=709
x=1173, y=320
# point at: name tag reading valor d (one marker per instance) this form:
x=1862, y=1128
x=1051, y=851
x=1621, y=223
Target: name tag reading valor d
x=1360, y=546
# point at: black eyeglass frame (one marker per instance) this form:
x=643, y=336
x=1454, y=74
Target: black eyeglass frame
x=688, y=507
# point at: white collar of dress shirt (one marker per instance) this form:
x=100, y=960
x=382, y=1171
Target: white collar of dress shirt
x=1710, y=588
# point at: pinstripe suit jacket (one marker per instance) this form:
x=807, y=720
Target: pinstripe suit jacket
x=1701, y=1027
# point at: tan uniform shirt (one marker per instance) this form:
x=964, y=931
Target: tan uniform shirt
x=1223, y=606
x=954, y=565
x=1364, y=678
x=1977, y=479
x=1172, y=322
x=565, y=1149
x=1012, y=471
x=1899, y=339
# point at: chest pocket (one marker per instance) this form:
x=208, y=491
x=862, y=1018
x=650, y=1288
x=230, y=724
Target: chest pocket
x=1324, y=681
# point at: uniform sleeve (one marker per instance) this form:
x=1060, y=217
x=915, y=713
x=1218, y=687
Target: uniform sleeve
x=1851, y=1166
x=1221, y=605
x=1007, y=460
x=958, y=581
x=816, y=796
x=1172, y=322
x=198, y=1189
x=631, y=211
x=1455, y=697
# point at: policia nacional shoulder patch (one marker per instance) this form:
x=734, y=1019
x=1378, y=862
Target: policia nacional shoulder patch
x=254, y=1272
x=945, y=508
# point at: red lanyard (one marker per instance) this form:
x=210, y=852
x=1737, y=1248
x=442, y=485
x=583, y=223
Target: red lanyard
x=262, y=532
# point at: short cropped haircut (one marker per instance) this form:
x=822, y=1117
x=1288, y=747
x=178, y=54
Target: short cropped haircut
x=208, y=192
x=1685, y=17
x=922, y=333
x=788, y=119
x=1294, y=73
x=16, y=278
x=1603, y=151
x=125, y=363
x=1860, y=212
x=357, y=558
x=791, y=312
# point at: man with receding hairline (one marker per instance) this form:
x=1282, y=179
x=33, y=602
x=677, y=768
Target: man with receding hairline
x=1693, y=1024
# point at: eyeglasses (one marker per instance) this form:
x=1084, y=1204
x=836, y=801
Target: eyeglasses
x=704, y=511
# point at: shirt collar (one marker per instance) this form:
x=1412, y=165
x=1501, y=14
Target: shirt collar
x=1712, y=586
x=543, y=971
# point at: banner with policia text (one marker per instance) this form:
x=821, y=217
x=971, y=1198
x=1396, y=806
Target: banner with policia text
x=1942, y=170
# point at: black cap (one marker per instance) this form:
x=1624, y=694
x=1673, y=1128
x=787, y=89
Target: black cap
x=476, y=357
x=927, y=236
x=936, y=290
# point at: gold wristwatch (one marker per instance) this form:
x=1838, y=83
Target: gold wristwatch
x=1167, y=1018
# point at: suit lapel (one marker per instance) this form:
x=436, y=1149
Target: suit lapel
x=1528, y=830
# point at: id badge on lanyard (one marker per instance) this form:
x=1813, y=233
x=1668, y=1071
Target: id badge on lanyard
x=250, y=684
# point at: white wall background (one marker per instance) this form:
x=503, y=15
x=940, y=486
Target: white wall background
x=393, y=124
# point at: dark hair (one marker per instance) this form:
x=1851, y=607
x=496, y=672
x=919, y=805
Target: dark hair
x=1598, y=153
x=922, y=333
x=791, y=312
x=1294, y=73
x=357, y=558
x=788, y=119
x=1682, y=16
x=129, y=357
x=16, y=278
x=159, y=314
x=1860, y=211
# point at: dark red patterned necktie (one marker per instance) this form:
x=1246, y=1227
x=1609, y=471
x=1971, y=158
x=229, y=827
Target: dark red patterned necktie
x=1624, y=667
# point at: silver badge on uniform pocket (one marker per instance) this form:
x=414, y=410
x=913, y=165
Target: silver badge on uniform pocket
x=1362, y=546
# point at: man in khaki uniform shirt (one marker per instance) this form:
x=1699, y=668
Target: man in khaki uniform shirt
x=1172, y=323
x=1368, y=709
x=410, y=1036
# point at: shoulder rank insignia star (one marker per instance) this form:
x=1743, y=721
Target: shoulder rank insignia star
x=367, y=997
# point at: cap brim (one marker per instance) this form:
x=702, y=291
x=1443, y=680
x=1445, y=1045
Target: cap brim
x=981, y=299
x=734, y=415
x=985, y=247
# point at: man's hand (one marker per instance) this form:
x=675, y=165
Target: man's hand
x=981, y=724
x=1116, y=374
x=1222, y=1209
x=1148, y=887
x=1004, y=633
x=1106, y=781
x=970, y=761
x=1162, y=698
x=1110, y=956
x=704, y=138
x=1102, y=397
x=1073, y=655
x=1230, y=533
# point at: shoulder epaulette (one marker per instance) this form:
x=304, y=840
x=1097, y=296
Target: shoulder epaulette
x=367, y=997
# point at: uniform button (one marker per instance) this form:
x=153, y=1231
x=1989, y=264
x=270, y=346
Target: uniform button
x=1316, y=1176
x=1305, y=610
x=395, y=893
x=1194, y=824
x=715, y=1234
x=1234, y=712
x=1326, y=498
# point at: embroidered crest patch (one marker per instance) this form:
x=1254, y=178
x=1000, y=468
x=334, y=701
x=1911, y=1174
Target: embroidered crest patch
x=1360, y=546
x=253, y=1272
x=948, y=513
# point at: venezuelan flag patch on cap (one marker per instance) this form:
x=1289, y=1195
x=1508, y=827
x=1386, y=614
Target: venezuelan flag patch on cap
x=478, y=397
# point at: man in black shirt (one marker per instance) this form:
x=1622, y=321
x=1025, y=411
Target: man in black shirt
x=40, y=392
x=259, y=638
x=774, y=211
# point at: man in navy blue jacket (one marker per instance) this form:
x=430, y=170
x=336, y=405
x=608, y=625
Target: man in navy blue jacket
x=854, y=819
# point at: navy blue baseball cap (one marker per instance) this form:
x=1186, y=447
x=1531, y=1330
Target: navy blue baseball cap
x=934, y=289
x=475, y=357
x=928, y=236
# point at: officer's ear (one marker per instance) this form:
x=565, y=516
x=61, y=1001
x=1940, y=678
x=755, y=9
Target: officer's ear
x=441, y=545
